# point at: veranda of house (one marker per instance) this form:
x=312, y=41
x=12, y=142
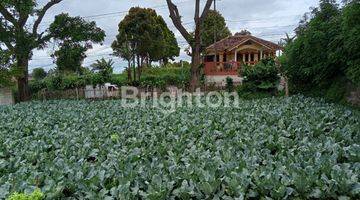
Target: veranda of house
x=232, y=53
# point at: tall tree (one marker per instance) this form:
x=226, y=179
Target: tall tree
x=75, y=36
x=214, y=25
x=21, y=38
x=125, y=49
x=104, y=68
x=170, y=48
x=351, y=37
x=148, y=37
x=315, y=57
x=193, y=41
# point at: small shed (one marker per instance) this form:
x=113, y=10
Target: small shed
x=6, y=96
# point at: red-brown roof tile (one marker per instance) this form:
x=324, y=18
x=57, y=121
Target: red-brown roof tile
x=233, y=41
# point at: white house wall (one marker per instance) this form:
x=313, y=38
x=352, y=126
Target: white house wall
x=221, y=80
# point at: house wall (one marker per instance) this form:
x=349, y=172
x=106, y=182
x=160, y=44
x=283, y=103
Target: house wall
x=6, y=96
x=221, y=80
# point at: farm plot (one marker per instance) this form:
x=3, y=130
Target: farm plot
x=295, y=148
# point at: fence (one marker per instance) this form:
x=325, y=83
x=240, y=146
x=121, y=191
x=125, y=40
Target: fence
x=87, y=93
x=6, y=96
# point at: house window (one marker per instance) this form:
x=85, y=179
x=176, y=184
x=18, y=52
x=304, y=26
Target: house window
x=224, y=58
x=252, y=57
x=209, y=58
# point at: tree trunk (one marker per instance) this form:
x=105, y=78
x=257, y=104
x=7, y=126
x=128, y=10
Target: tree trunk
x=195, y=59
x=129, y=71
x=22, y=80
x=138, y=67
x=134, y=68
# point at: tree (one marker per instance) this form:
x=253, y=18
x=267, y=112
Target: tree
x=213, y=29
x=20, y=38
x=243, y=32
x=75, y=36
x=39, y=74
x=313, y=58
x=287, y=40
x=351, y=37
x=103, y=68
x=144, y=36
x=170, y=48
x=125, y=50
x=195, y=40
x=69, y=57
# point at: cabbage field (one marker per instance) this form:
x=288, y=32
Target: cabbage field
x=277, y=148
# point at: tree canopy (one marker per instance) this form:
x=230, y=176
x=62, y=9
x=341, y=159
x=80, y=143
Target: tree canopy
x=326, y=47
x=213, y=28
x=144, y=35
x=104, y=68
x=20, y=36
x=5, y=70
x=75, y=36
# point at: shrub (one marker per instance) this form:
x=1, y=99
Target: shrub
x=229, y=84
x=326, y=47
x=261, y=78
x=39, y=73
x=36, y=195
x=161, y=77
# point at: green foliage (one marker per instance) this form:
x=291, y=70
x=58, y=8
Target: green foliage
x=104, y=69
x=326, y=48
x=229, y=84
x=62, y=82
x=70, y=56
x=278, y=148
x=76, y=36
x=6, y=72
x=263, y=77
x=20, y=36
x=161, y=77
x=144, y=33
x=38, y=74
x=36, y=195
x=75, y=29
x=214, y=21
x=351, y=35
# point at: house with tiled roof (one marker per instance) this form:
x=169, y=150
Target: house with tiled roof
x=226, y=57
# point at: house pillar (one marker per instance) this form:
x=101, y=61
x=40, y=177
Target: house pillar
x=256, y=57
x=249, y=57
x=221, y=59
x=261, y=55
x=244, y=57
x=235, y=58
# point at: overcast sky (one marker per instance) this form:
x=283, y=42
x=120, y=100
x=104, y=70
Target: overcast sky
x=268, y=19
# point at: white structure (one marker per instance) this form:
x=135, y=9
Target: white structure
x=220, y=81
x=101, y=91
x=6, y=96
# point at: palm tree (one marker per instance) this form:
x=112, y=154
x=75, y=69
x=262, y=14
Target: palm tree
x=104, y=68
x=285, y=41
